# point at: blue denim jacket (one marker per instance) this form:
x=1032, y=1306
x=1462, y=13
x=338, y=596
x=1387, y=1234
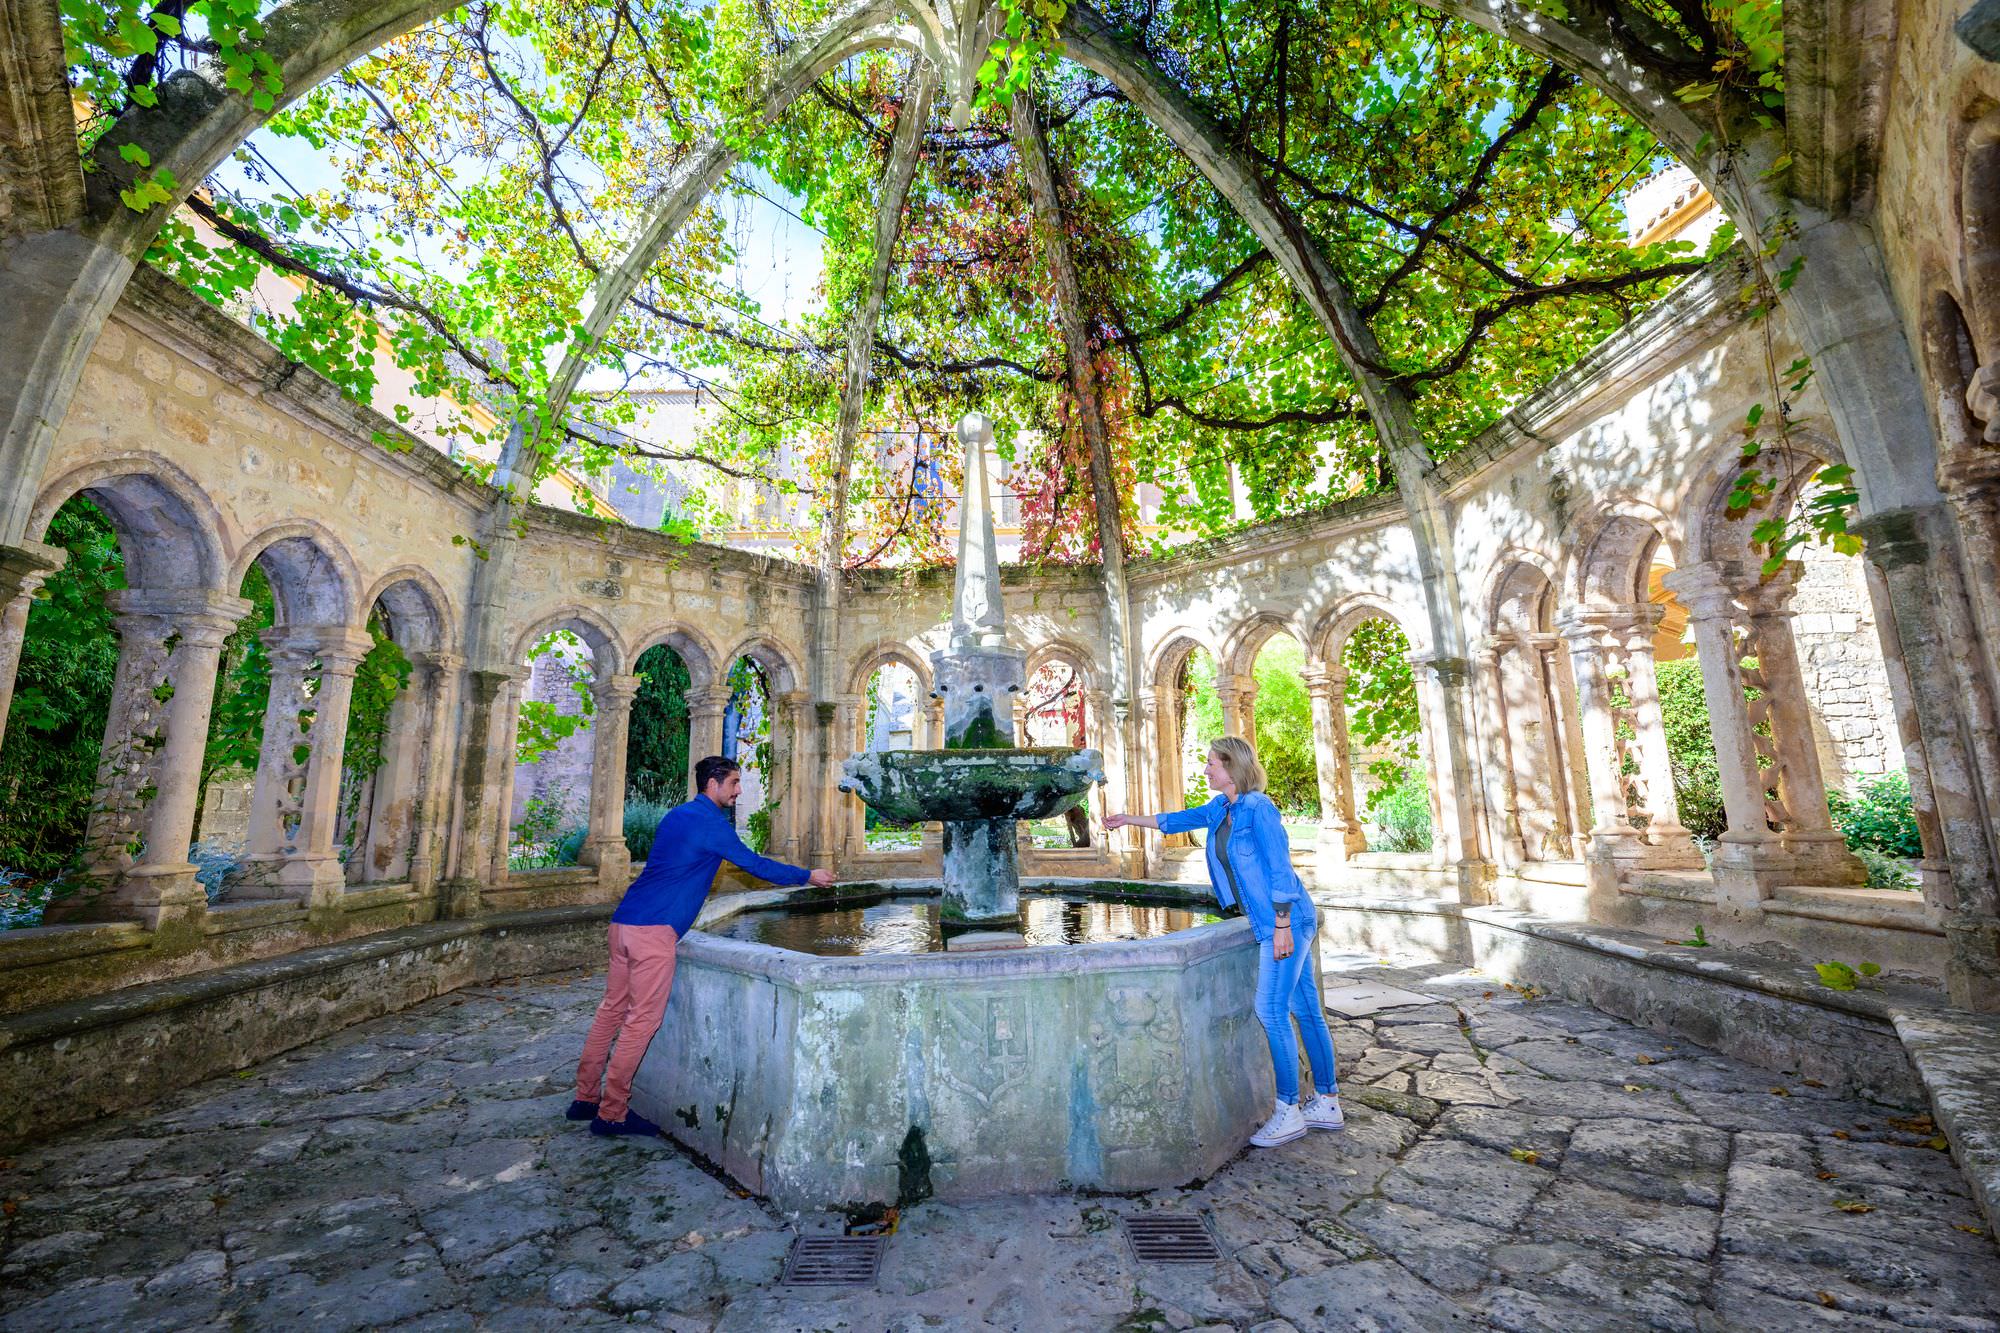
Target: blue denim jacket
x=692, y=842
x=1260, y=854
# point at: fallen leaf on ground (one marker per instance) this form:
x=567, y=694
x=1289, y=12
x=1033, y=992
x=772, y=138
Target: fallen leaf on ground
x=1853, y=1206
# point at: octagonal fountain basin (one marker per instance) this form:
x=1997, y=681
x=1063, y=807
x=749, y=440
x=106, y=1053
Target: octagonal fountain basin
x=825, y=1081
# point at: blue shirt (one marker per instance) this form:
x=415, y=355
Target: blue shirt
x=692, y=842
x=1259, y=853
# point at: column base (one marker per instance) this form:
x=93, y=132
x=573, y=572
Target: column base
x=1822, y=857
x=612, y=859
x=151, y=895
x=1747, y=869
x=459, y=900
x=1972, y=968
x=1670, y=848
x=317, y=881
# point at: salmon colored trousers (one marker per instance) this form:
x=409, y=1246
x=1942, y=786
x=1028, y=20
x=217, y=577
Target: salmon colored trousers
x=635, y=999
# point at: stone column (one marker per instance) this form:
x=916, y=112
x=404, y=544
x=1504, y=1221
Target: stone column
x=1503, y=792
x=437, y=675
x=296, y=797
x=149, y=779
x=1611, y=836
x=706, y=705
x=791, y=715
x=1819, y=853
x=1567, y=738
x=22, y=571
x=1668, y=843
x=1340, y=833
x=1921, y=566
x=384, y=842
x=1442, y=684
x=604, y=843
x=1238, y=695
x=1750, y=859
x=489, y=714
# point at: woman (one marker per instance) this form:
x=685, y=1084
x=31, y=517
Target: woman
x=1250, y=862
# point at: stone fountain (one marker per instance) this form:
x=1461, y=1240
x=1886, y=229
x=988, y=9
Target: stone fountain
x=980, y=784
x=1120, y=1064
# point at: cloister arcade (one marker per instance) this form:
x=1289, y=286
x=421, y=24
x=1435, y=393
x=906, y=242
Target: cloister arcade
x=1555, y=602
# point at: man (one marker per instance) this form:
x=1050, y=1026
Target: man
x=692, y=842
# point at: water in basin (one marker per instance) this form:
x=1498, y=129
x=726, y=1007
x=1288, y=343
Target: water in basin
x=911, y=924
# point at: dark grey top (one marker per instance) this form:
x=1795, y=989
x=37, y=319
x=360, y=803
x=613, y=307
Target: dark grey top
x=1222, y=855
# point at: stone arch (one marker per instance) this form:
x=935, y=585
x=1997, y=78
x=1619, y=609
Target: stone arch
x=1520, y=593
x=1164, y=667
x=778, y=665
x=420, y=618
x=1088, y=674
x=889, y=650
x=1713, y=531
x=1247, y=639
x=1328, y=639
x=167, y=527
x=607, y=649
x=705, y=666
x=1523, y=597
x=1614, y=551
x=313, y=579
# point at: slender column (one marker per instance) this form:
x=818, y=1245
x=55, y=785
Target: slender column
x=1611, y=836
x=437, y=676
x=1239, y=705
x=1563, y=692
x=1819, y=852
x=1750, y=859
x=1669, y=845
x=1503, y=782
x=1169, y=783
x=136, y=849
x=1340, y=833
x=706, y=706
x=383, y=851
x=1441, y=687
x=22, y=570
x=604, y=844
x=296, y=797
x=791, y=726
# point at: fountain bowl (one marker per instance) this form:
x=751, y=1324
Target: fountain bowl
x=887, y=1078
x=934, y=786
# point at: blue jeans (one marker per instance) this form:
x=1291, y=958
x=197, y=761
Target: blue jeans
x=1285, y=991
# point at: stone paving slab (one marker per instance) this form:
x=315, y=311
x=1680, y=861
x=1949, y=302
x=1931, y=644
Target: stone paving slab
x=1509, y=1163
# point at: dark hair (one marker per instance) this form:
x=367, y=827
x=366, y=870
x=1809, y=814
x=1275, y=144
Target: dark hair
x=712, y=769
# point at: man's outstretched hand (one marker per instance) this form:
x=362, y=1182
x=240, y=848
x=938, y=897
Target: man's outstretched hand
x=821, y=879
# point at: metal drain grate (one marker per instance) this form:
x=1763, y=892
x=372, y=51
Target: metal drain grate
x=834, y=1261
x=1170, y=1238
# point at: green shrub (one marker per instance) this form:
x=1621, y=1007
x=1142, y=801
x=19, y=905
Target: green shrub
x=642, y=821
x=1886, y=871
x=1880, y=816
x=1401, y=812
x=757, y=829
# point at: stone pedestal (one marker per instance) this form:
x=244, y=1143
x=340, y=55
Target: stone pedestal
x=982, y=870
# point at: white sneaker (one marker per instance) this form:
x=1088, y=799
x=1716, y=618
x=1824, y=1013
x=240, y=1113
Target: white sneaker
x=1285, y=1124
x=1323, y=1112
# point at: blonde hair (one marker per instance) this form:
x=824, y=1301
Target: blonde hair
x=1240, y=758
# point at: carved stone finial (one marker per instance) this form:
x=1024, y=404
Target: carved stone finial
x=977, y=619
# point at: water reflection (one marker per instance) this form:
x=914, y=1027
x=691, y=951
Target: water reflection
x=910, y=925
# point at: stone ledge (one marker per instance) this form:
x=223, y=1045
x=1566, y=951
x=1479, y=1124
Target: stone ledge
x=39, y=946
x=82, y=1059
x=1957, y=1055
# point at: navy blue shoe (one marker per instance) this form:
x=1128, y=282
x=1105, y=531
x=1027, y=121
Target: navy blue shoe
x=581, y=1110
x=633, y=1123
